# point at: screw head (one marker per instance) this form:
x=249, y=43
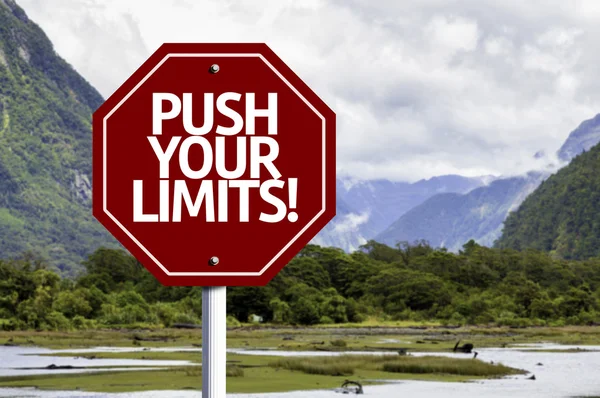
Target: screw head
x=214, y=68
x=213, y=261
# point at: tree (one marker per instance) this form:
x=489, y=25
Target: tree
x=305, y=311
x=71, y=304
x=281, y=311
x=242, y=301
x=334, y=306
x=309, y=271
x=114, y=267
x=380, y=252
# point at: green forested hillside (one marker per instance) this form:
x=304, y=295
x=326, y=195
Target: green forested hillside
x=563, y=215
x=45, y=148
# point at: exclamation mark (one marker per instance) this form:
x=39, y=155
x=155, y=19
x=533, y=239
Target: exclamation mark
x=293, y=193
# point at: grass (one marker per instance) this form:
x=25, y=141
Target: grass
x=241, y=380
x=444, y=365
x=339, y=343
x=254, y=380
x=557, y=351
x=430, y=339
x=375, y=322
x=108, y=338
x=265, y=373
x=245, y=373
x=196, y=371
x=329, y=366
x=347, y=365
x=234, y=371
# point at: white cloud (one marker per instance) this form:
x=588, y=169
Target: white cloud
x=499, y=45
x=452, y=34
x=350, y=222
x=420, y=87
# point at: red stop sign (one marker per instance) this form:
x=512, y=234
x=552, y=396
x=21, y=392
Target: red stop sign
x=214, y=164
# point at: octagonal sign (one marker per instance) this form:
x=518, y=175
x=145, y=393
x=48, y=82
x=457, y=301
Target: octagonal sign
x=214, y=164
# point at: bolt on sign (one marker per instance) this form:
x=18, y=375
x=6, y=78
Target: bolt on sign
x=214, y=164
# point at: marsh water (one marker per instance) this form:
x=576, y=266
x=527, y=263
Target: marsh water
x=575, y=372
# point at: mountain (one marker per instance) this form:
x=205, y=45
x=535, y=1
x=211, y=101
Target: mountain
x=450, y=220
x=563, y=215
x=383, y=201
x=45, y=160
x=581, y=139
x=45, y=149
x=366, y=207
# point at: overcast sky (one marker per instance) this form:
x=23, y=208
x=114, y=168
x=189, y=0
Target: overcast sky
x=420, y=88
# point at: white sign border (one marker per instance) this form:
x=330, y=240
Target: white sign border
x=130, y=235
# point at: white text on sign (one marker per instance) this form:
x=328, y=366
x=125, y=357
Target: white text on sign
x=176, y=192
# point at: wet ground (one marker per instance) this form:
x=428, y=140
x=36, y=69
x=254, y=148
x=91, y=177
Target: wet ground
x=21, y=361
x=558, y=374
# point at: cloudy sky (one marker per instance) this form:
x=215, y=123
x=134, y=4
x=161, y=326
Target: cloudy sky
x=420, y=88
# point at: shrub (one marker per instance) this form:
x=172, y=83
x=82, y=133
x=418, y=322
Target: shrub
x=465, y=367
x=8, y=325
x=339, y=343
x=457, y=319
x=232, y=322
x=57, y=321
x=234, y=371
x=80, y=323
x=165, y=313
x=186, y=318
x=346, y=365
x=310, y=366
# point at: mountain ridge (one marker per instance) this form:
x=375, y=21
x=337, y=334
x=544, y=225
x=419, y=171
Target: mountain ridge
x=562, y=216
x=366, y=207
x=449, y=220
x=453, y=220
x=583, y=138
x=45, y=149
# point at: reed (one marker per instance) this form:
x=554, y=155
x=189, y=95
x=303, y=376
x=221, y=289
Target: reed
x=346, y=365
x=444, y=365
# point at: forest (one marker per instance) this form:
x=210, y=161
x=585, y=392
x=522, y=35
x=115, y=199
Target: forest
x=45, y=149
x=561, y=216
x=409, y=282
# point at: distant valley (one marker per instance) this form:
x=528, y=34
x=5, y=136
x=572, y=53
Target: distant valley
x=365, y=208
x=446, y=211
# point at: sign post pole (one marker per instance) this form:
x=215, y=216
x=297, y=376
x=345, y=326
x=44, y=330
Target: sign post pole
x=214, y=330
